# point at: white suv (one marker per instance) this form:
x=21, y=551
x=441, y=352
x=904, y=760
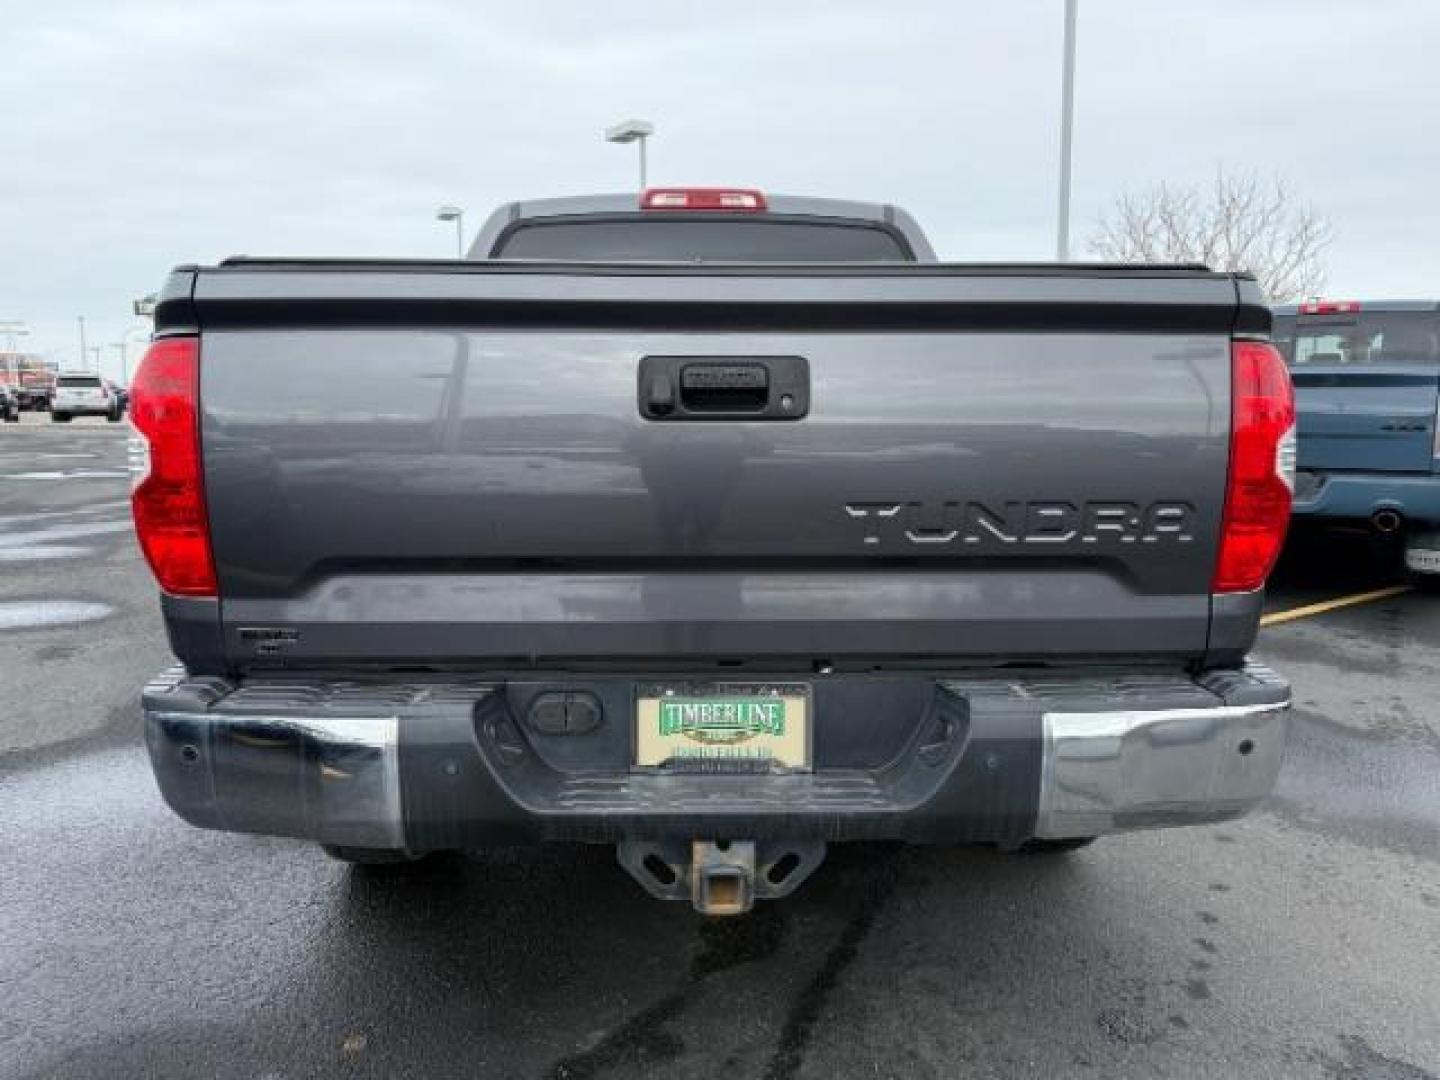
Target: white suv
x=83, y=395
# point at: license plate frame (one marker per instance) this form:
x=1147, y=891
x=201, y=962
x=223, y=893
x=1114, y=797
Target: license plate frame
x=724, y=727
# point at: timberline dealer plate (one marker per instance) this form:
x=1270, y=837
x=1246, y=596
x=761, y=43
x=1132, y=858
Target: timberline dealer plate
x=722, y=726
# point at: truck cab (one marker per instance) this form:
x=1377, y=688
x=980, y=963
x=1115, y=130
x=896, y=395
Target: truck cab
x=701, y=225
x=1367, y=386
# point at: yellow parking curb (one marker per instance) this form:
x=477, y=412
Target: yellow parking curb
x=1323, y=606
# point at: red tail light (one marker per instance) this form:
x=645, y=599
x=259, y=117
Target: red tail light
x=169, y=496
x=702, y=199
x=1262, y=467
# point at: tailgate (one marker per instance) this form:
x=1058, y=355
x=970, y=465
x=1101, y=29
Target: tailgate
x=1377, y=418
x=432, y=464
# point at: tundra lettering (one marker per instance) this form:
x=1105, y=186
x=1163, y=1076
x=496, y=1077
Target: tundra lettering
x=1021, y=523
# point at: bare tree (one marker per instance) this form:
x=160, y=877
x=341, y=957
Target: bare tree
x=1240, y=222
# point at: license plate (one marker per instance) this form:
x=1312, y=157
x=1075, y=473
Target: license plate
x=723, y=726
x=1423, y=560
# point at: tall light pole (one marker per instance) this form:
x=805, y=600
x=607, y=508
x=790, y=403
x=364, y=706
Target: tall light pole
x=636, y=131
x=119, y=347
x=143, y=328
x=83, y=351
x=1067, y=121
x=95, y=351
x=455, y=214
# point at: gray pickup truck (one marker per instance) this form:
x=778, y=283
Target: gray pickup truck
x=714, y=526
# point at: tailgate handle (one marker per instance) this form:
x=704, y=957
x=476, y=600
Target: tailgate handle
x=724, y=387
x=713, y=387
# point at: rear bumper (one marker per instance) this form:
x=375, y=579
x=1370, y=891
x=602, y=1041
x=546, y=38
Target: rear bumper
x=1359, y=495
x=428, y=765
x=82, y=410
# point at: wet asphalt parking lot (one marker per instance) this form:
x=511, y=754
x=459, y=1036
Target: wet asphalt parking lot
x=1302, y=941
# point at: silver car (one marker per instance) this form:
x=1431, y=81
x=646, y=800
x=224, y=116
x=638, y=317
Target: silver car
x=83, y=395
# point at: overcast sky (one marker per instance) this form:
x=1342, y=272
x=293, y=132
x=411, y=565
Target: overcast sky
x=139, y=135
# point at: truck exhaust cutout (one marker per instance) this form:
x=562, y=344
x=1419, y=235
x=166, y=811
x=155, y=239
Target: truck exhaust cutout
x=720, y=877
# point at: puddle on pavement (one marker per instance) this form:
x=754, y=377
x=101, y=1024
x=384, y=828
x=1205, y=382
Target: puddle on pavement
x=36, y=614
x=10, y=520
x=69, y=474
x=1374, y=789
x=41, y=552
x=33, y=545
x=49, y=533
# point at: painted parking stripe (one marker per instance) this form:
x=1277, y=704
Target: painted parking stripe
x=1305, y=612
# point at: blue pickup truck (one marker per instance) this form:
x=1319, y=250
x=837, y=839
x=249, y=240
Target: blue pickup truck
x=1366, y=377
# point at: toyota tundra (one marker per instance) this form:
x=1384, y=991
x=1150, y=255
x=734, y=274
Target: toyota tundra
x=714, y=525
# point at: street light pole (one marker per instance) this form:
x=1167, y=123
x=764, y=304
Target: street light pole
x=457, y=215
x=1067, y=120
x=628, y=131
x=124, y=355
x=83, y=351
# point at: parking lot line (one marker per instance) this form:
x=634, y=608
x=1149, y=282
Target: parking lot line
x=1276, y=617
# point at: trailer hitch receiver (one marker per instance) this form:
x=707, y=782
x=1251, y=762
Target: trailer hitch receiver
x=720, y=877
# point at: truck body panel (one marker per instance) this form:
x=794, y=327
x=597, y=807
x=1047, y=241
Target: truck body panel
x=975, y=444
x=1376, y=418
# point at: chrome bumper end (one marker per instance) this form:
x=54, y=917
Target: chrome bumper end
x=334, y=779
x=1106, y=772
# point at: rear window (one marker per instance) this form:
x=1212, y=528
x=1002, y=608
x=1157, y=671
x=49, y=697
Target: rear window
x=1379, y=337
x=729, y=239
x=88, y=381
